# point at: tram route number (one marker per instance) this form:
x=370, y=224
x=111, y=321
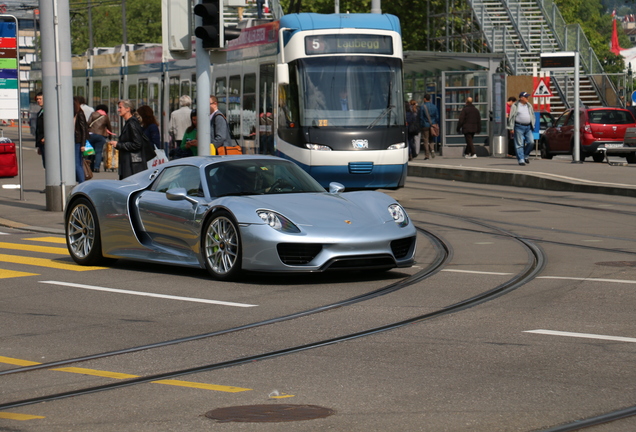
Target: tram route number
x=352, y=43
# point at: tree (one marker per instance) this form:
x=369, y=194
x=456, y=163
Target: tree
x=143, y=23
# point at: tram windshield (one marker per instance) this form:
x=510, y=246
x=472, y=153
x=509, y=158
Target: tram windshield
x=350, y=91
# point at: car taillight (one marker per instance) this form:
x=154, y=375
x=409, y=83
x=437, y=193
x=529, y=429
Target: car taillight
x=587, y=128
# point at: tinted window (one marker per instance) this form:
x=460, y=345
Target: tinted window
x=256, y=177
x=186, y=177
x=610, y=117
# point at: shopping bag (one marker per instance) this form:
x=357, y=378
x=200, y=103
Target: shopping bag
x=88, y=149
x=160, y=158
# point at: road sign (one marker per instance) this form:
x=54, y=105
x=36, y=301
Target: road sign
x=543, y=88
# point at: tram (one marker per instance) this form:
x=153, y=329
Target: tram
x=324, y=91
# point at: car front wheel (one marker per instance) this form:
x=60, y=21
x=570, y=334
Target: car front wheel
x=222, y=246
x=544, y=149
x=82, y=233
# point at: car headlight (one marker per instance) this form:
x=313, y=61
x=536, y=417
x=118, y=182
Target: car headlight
x=318, y=147
x=398, y=146
x=277, y=221
x=398, y=214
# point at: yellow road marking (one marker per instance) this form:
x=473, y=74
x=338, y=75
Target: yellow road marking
x=34, y=248
x=15, y=416
x=6, y=274
x=116, y=375
x=57, y=240
x=281, y=397
x=43, y=262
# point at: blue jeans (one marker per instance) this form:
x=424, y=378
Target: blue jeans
x=523, y=133
x=79, y=169
x=97, y=141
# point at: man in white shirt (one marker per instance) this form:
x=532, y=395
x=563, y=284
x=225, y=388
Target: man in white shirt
x=521, y=124
x=180, y=121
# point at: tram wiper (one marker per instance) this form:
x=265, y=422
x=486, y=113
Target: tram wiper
x=381, y=116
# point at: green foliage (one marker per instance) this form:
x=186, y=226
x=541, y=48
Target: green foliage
x=143, y=23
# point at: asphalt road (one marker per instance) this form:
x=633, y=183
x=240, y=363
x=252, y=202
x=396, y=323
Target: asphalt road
x=559, y=348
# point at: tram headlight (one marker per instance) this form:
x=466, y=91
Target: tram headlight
x=319, y=147
x=398, y=146
x=398, y=214
x=277, y=221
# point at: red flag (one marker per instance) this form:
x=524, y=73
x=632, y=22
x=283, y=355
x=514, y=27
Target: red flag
x=615, y=47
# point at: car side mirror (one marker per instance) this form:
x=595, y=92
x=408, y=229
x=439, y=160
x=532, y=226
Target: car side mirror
x=335, y=188
x=179, y=194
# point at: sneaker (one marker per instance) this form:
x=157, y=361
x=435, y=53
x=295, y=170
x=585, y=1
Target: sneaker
x=522, y=163
x=528, y=161
x=467, y=156
x=433, y=155
x=474, y=156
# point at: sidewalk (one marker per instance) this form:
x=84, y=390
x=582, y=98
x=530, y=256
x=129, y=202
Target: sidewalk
x=557, y=174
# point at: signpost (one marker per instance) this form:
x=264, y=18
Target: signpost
x=10, y=80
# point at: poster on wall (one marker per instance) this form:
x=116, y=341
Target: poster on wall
x=9, y=68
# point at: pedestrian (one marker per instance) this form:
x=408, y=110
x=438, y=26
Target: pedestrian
x=85, y=108
x=81, y=136
x=417, y=138
x=413, y=127
x=134, y=153
x=219, y=129
x=631, y=108
x=39, y=127
x=179, y=121
x=511, y=140
x=98, y=132
x=189, y=142
x=150, y=125
x=521, y=123
x=469, y=124
x=429, y=116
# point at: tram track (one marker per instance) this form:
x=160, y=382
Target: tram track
x=535, y=263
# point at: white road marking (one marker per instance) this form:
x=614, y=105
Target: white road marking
x=583, y=335
x=475, y=272
x=145, y=294
x=589, y=279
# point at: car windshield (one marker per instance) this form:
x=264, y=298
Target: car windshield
x=610, y=117
x=257, y=177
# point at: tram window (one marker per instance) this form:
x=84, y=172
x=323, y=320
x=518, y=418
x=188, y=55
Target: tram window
x=265, y=103
x=78, y=91
x=185, y=88
x=97, y=93
x=173, y=96
x=143, y=93
x=220, y=91
x=234, y=105
x=105, y=94
x=193, y=89
x=248, y=120
x=132, y=93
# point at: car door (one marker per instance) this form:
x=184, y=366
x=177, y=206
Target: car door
x=173, y=224
x=564, y=130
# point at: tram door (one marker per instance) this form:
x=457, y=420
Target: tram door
x=266, y=109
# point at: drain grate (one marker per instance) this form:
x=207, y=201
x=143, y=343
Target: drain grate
x=268, y=413
x=617, y=263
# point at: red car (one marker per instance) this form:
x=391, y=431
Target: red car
x=602, y=131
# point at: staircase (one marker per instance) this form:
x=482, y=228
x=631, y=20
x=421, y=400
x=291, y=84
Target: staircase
x=523, y=29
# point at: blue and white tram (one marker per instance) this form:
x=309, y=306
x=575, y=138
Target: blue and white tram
x=324, y=91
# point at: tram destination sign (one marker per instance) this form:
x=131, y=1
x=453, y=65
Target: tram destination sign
x=348, y=44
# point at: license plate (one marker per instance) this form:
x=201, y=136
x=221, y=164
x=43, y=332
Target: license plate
x=613, y=145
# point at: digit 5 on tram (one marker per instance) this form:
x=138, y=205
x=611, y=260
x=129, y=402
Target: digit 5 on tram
x=324, y=91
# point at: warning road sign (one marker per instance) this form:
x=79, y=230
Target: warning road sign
x=543, y=88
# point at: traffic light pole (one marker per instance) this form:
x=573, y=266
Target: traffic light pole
x=203, y=95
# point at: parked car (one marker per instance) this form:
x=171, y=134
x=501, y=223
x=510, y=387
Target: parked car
x=232, y=213
x=602, y=130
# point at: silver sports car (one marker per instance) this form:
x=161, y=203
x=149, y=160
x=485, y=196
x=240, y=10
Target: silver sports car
x=233, y=213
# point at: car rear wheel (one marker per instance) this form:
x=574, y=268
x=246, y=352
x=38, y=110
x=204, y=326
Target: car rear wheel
x=631, y=158
x=598, y=157
x=222, y=246
x=544, y=149
x=83, y=238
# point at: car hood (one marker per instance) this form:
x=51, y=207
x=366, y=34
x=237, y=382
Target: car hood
x=319, y=209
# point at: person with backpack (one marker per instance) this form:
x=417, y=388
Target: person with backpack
x=219, y=129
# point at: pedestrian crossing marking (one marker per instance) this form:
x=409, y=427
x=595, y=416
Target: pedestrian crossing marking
x=117, y=375
x=7, y=274
x=34, y=248
x=17, y=416
x=58, y=240
x=43, y=262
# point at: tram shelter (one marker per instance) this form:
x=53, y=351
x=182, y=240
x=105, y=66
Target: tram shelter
x=451, y=77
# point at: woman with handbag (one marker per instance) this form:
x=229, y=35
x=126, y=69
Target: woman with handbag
x=429, y=120
x=134, y=149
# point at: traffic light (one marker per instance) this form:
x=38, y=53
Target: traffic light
x=211, y=30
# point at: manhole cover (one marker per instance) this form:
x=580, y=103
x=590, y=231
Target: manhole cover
x=617, y=263
x=268, y=413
